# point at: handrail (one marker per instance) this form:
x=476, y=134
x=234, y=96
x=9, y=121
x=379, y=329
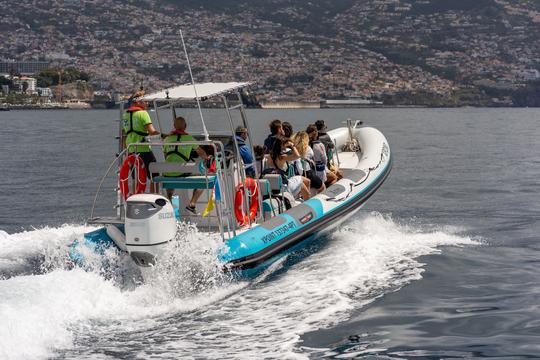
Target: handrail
x=123, y=152
x=103, y=179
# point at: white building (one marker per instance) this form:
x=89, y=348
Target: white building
x=24, y=84
x=44, y=92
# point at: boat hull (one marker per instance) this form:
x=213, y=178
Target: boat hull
x=253, y=250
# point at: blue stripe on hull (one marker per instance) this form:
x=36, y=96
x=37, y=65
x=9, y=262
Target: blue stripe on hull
x=97, y=241
x=249, y=251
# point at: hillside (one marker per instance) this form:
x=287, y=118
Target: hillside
x=294, y=49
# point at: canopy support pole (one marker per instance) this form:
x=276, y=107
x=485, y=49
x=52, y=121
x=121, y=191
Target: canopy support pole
x=250, y=139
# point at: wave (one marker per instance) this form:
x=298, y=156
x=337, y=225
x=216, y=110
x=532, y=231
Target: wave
x=187, y=306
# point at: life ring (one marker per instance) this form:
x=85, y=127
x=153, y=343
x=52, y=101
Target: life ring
x=140, y=172
x=253, y=201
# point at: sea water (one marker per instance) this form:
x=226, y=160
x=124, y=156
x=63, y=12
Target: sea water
x=441, y=262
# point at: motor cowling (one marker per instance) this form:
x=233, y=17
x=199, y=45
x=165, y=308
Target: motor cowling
x=150, y=225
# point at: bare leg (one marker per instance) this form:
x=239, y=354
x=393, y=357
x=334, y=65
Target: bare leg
x=304, y=188
x=331, y=178
x=305, y=192
x=196, y=195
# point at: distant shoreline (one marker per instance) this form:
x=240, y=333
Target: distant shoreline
x=283, y=108
x=292, y=105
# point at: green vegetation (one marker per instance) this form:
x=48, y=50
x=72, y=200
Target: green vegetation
x=460, y=97
x=447, y=5
x=5, y=81
x=299, y=78
x=167, y=71
x=400, y=55
x=15, y=99
x=51, y=76
x=258, y=52
x=527, y=95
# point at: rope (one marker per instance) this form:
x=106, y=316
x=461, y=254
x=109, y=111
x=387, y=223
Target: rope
x=361, y=182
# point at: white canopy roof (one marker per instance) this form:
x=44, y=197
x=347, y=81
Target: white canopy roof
x=186, y=92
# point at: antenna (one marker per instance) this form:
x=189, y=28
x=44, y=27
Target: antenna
x=206, y=137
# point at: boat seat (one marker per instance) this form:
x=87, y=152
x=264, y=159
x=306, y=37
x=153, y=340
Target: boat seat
x=275, y=182
x=186, y=181
x=274, y=189
x=355, y=175
x=161, y=167
x=264, y=187
x=272, y=204
x=271, y=207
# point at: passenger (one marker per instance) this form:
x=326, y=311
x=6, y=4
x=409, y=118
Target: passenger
x=307, y=163
x=279, y=158
x=136, y=126
x=241, y=134
x=319, y=156
x=207, y=153
x=287, y=130
x=178, y=153
x=325, y=139
x=276, y=129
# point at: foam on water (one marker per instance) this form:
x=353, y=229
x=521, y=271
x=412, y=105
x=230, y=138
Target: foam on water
x=187, y=307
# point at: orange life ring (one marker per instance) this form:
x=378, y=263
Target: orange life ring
x=253, y=201
x=140, y=171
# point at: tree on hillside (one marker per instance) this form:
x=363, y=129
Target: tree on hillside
x=51, y=76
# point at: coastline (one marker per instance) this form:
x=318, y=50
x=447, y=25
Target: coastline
x=64, y=107
x=274, y=105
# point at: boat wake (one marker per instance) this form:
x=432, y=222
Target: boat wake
x=186, y=306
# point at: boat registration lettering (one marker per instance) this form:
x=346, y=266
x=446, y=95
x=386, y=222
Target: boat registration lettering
x=277, y=232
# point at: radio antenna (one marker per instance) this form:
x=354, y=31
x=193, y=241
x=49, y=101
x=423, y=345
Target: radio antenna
x=206, y=137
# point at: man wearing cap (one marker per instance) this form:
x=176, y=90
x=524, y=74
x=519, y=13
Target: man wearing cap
x=137, y=125
x=241, y=135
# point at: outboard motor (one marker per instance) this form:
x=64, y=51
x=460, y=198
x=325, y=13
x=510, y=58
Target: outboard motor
x=150, y=226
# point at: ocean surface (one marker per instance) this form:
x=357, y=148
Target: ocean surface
x=443, y=262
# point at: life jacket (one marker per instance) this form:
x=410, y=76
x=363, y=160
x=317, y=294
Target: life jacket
x=171, y=151
x=132, y=110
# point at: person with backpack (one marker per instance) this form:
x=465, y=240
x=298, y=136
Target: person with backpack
x=320, y=157
x=178, y=153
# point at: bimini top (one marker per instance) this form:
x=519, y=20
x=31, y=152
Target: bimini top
x=186, y=92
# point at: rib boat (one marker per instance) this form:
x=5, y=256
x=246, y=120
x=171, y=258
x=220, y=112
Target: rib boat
x=256, y=224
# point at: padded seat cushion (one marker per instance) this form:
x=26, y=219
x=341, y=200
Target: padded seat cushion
x=186, y=182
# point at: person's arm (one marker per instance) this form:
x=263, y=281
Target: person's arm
x=246, y=156
x=151, y=130
x=293, y=155
x=202, y=154
x=147, y=121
